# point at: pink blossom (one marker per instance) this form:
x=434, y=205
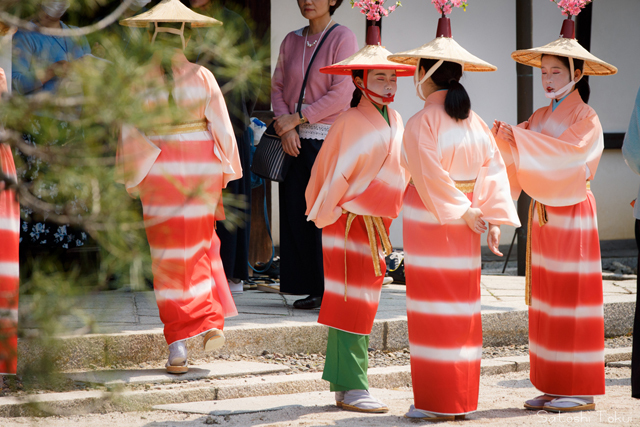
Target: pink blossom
x=446, y=6
x=374, y=9
x=571, y=7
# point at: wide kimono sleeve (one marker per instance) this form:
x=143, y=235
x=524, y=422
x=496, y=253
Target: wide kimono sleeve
x=135, y=156
x=219, y=123
x=492, y=193
x=553, y=170
x=328, y=183
x=631, y=145
x=437, y=190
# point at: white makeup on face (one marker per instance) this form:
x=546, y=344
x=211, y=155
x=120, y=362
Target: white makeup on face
x=384, y=83
x=555, y=77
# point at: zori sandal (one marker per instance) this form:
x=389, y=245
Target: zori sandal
x=213, y=340
x=177, y=363
x=570, y=404
x=419, y=414
x=537, y=403
x=362, y=401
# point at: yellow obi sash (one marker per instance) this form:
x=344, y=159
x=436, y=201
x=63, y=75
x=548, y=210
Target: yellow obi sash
x=373, y=224
x=185, y=127
x=542, y=220
x=464, y=186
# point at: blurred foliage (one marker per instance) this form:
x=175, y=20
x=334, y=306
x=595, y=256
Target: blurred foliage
x=94, y=99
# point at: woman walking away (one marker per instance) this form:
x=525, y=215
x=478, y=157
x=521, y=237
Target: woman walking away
x=355, y=191
x=326, y=96
x=459, y=181
x=179, y=171
x=9, y=265
x=553, y=157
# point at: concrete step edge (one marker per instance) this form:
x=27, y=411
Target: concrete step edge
x=144, y=400
x=104, y=350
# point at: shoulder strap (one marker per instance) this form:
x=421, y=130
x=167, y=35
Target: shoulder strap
x=306, y=75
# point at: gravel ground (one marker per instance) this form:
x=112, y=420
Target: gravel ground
x=500, y=405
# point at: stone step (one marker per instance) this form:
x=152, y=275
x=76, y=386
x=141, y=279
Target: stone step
x=248, y=405
x=218, y=370
x=500, y=325
x=230, y=388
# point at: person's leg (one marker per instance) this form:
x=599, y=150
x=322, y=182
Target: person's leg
x=347, y=361
x=346, y=370
x=635, y=355
x=301, y=271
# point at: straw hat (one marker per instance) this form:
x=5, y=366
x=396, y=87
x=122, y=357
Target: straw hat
x=170, y=11
x=444, y=48
x=372, y=56
x=6, y=29
x=566, y=46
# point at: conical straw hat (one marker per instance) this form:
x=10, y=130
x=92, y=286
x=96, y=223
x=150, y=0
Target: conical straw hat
x=368, y=58
x=566, y=46
x=170, y=11
x=443, y=48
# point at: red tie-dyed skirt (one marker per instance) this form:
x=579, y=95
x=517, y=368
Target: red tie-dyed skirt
x=442, y=267
x=9, y=267
x=180, y=196
x=566, y=317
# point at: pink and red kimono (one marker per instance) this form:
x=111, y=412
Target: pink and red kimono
x=179, y=172
x=357, y=171
x=454, y=165
x=555, y=154
x=9, y=262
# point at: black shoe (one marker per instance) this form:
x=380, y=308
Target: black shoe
x=308, y=303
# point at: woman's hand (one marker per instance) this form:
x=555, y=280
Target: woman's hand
x=286, y=123
x=493, y=239
x=506, y=132
x=495, y=128
x=291, y=143
x=473, y=218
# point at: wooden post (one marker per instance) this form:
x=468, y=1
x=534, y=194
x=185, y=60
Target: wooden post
x=524, y=40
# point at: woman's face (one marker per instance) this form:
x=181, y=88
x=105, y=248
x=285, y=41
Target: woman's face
x=382, y=82
x=555, y=75
x=314, y=9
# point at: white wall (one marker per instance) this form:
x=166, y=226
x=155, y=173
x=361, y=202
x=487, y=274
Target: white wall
x=5, y=57
x=487, y=29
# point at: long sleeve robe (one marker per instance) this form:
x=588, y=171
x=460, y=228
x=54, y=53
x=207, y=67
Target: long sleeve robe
x=442, y=254
x=358, y=170
x=554, y=154
x=180, y=177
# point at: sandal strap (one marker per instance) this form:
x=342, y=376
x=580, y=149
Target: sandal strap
x=576, y=400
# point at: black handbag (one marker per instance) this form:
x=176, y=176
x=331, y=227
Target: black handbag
x=270, y=161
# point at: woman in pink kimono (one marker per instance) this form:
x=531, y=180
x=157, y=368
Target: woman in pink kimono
x=553, y=157
x=9, y=261
x=459, y=181
x=355, y=191
x=179, y=171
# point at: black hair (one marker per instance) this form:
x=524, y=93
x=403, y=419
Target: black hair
x=583, y=85
x=357, y=93
x=334, y=7
x=457, y=103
